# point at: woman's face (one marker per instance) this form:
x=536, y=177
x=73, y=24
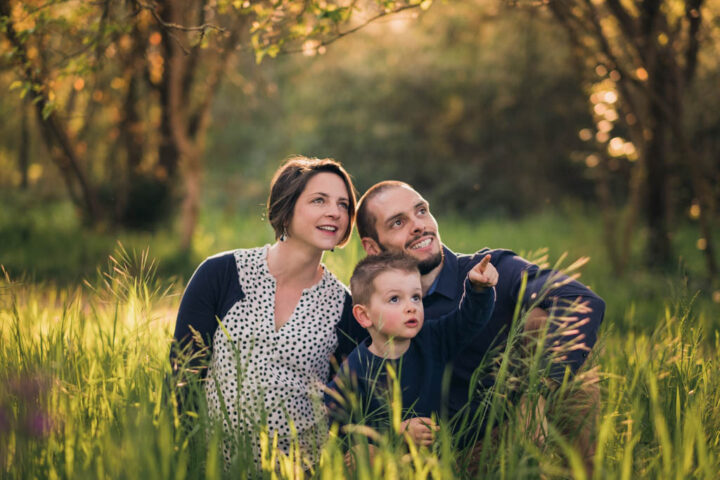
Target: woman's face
x=320, y=217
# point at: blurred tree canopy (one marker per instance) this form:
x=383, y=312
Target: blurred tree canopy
x=123, y=91
x=475, y=104
x=640, y=60
x=489, y=108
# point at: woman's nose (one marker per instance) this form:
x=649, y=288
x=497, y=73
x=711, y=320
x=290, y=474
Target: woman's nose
x=333, y=211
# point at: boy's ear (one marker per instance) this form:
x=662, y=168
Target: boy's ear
x=370, y=245
x=361, y=315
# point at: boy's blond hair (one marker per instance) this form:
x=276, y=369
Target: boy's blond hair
x=367, y=270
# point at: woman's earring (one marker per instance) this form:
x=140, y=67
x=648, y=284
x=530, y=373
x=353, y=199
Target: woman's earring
x=284, y=235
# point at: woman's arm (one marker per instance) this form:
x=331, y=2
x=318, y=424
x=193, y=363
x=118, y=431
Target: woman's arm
x=349, y=333
x=212, y=290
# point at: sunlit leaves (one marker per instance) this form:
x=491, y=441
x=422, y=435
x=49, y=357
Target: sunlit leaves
x=105, y=67
x=307, y=27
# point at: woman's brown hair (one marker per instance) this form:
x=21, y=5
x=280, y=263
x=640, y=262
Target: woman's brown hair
x=289, y=182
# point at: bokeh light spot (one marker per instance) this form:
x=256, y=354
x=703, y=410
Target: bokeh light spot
x=694, y=211
x=585, y=134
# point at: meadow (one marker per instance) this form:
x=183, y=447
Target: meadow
x=86, y=324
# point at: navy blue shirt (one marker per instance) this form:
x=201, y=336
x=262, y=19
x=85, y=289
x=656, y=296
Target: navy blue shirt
x=420, y=369
x=511, y=269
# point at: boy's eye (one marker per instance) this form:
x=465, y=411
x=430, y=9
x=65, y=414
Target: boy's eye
x=394, y=299
x=416, y=298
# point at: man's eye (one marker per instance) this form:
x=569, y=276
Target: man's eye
x=422, y=211
x=397, y=223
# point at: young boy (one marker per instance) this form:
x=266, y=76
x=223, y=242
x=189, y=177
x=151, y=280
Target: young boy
x=387, y=301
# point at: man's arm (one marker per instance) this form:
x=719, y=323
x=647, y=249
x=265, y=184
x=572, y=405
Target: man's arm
x=575, y=313
x=455, y=330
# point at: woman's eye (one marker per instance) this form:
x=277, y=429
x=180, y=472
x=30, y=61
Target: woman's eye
x=318, y=200
x=344, y=206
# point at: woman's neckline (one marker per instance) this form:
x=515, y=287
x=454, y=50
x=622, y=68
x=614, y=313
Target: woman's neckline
x=324, y=272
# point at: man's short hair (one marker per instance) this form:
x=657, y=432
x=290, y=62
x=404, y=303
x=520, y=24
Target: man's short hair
x=365, y=220
x=367, y=270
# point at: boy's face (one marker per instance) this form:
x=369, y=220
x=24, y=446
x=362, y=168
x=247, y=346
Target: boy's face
x=396, y=308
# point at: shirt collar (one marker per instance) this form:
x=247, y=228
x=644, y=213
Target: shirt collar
x=446, y=283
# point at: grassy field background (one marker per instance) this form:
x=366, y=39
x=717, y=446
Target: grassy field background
x=84, y=342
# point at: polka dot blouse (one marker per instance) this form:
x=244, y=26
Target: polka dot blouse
x=261, y=375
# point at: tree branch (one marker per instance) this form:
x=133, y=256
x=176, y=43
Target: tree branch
x=626, y=21
x=176, y=26
x=364, y=24
x=694, y=16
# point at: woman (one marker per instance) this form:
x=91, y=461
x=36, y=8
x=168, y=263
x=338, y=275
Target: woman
x=283, y=314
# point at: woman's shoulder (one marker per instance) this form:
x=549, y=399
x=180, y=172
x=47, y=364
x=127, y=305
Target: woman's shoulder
x=331, y=282
x=215, y=264
x=235, y=256
x=229, y=261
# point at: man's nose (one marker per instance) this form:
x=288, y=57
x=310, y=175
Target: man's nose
x=417, y=226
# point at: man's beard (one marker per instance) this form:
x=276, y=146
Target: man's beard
x=428, y=265
x=425, y=266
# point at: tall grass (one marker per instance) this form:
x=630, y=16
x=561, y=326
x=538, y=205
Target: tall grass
x=86, y=394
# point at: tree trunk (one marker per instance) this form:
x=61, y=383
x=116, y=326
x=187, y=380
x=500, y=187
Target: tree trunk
x=24, y=150
x=63, y=154
x=659, y=252
x=54, y=132
x=191, y=202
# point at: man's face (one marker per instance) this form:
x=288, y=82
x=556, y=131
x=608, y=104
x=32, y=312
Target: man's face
x=404, y=223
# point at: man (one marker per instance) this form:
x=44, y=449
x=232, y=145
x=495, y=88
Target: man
x=392, y=216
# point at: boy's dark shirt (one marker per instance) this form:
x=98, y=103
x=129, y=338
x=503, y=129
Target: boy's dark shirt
x=420, y=369
x=511, y=268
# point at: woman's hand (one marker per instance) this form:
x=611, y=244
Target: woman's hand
x=421, y=430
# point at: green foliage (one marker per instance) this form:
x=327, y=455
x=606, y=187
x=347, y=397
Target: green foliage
x=44, y=241
x=121, y=125
x=87, y=396
x=476, y=105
